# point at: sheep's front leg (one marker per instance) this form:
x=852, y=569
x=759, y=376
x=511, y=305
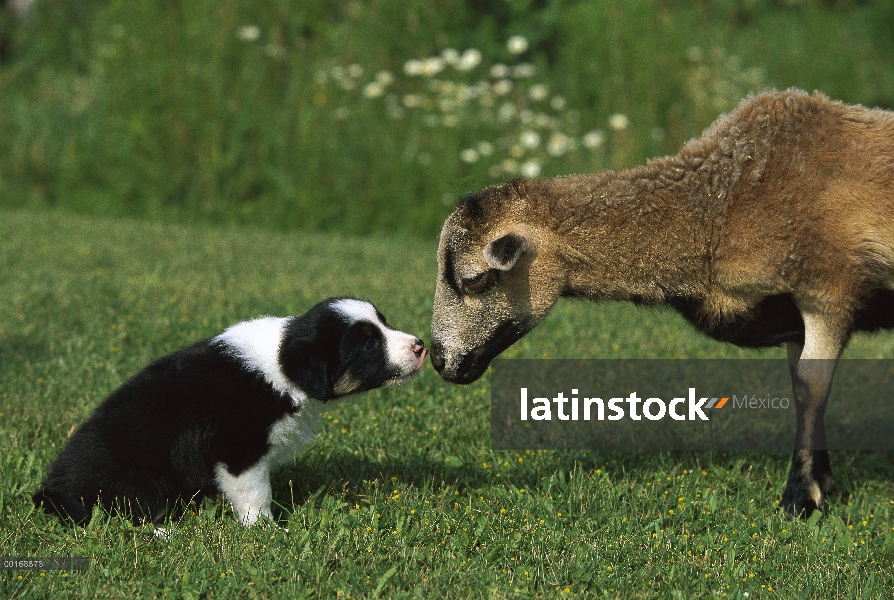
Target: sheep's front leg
x=249, y=492
x=812, y=366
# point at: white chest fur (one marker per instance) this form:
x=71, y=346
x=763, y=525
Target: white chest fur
x=293, y=432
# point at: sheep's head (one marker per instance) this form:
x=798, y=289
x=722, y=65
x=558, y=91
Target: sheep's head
x=495, y=282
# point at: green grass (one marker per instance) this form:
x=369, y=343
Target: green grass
x=401, y=495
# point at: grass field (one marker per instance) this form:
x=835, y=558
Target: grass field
x=401, y=495
x=372, y=117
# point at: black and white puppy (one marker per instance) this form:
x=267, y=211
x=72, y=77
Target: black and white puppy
x=219, y=415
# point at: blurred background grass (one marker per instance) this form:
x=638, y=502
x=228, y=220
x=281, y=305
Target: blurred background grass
x=362, y=116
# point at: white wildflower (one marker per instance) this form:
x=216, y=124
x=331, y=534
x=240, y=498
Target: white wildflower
x=451, y=120
x=499, y=71
x=538, y=92
x=450, y=56
x=413, y=67
x=509, y=166
x=594, y=139
x=618, y=121
x=529, y=139
x=354, y=71
x=373, y=90
x=506, y=112
x=412, y=100
x=524, y=70
x=502, y=87
x=432, y=66
x=517, y=44
x=558, y=103
x=558, y=144
x=530, y=169
x=470, y=59
x=384, y=78
x=248, y=33
x=485, y=148
x=469, y=155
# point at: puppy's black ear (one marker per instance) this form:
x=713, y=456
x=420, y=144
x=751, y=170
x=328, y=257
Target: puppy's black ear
x=302, y=357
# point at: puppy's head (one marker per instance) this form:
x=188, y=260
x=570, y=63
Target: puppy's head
x=344, y=346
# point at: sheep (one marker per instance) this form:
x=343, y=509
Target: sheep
x=775, y=226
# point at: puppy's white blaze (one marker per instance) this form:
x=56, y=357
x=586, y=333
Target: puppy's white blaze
x=398, y=345
x=357, y=310
x=256, y=345
x=249, y=492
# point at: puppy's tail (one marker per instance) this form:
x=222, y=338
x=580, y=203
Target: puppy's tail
x=63, y=506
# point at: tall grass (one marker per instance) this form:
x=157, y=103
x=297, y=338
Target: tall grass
x=239, y=111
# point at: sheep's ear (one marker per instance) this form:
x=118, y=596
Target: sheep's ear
x=503, y=252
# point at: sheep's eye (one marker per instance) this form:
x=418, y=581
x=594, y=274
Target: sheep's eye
x=476, y=283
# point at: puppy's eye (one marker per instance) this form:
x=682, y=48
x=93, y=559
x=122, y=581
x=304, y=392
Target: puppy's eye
x=369, y=346
x=476, y=283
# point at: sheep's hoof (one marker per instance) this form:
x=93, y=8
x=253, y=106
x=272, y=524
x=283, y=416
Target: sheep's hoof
x=809, y=476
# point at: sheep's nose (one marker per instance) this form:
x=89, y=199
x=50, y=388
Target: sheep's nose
x=437, y=356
